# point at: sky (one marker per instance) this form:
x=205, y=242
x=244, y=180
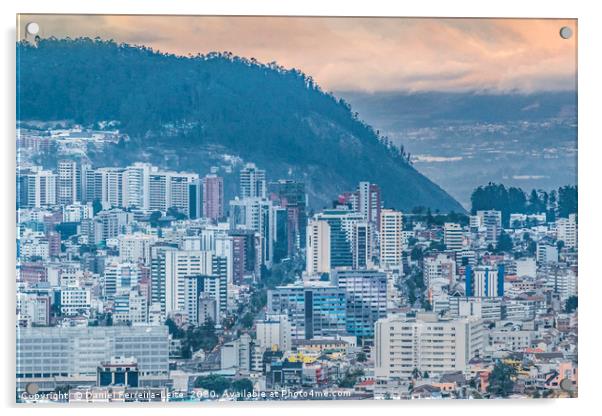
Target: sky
x=360, y=54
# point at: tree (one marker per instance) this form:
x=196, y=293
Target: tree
x=243, y=385
x=504, y=243
x=501, y=379
x=213, y=383
x=493, y=196
x=196, y=338
x=415, y=373
x=416, y=253
x=194, y=99
x=536, y=205
x=350, y=378
x=567, y=201
x=154, y=218
x=247, y=320
x=361, y=357
x=173, y=329
x=517, y=201
x=571, y=304
x=174, y=212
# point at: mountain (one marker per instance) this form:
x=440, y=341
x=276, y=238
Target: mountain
x=464, y=140
x=191, y=113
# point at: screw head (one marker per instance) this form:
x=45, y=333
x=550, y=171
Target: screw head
x=566, y=32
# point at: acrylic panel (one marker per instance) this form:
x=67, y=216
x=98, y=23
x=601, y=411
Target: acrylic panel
x=295, y=208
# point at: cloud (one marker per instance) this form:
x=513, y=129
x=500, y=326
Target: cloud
x=529, y=177
x=436, y=159
x=367, y=54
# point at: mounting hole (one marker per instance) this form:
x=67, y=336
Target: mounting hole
x=32, y=28
x=566, y=32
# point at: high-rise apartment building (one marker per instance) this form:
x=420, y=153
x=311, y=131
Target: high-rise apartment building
x=314, y=310
x=391, y=238
x=366, y=296
x=291, y=195
x=369, y=202
x=213, y=197
x=255, y=214
x=492, y=221
x=342, y=223
x=68, y=182
x=318, y=247
x=36, y=188
x=252, y=182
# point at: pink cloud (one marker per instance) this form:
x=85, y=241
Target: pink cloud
x=370, y=54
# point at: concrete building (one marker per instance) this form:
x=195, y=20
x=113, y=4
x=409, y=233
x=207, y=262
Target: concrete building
x=316, y=309
x=491, y=220
x=342, y=222
x=369, y=201
x=488, y=309
x=391, y=238
x=566, y=230
x=252, y=182
x=318, y=247
x=254, y=213
x=136, y=248
x=68, y=182
x=453, y=236
x=274, y=332
x=425, y=343
x=484, y=281
x=240, y=355
x=547, y=253
x=56, y=356
x=36, y=188
x=213, y=197
x=366, y=294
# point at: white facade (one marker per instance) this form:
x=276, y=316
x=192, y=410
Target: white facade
x=75, y=301
x=492, y=221
x=274, y=332
x=426, y=343
x=391, y=238
x=136, y=248
x=180, y=265
x=453, y=236
x=252, y=182
x=318, y=247
x=74, y=353
x=566, y=230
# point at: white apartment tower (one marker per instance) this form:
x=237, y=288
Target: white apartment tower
x=37, y=188
x=252, y=182
x=391, y=238
x=318, y=247
x=68, y=182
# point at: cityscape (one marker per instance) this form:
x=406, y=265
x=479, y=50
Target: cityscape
x=213, y=275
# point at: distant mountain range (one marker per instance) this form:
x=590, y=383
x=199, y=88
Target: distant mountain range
x=463, y=140
x=191, y=113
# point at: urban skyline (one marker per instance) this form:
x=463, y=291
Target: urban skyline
x=159, y=260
